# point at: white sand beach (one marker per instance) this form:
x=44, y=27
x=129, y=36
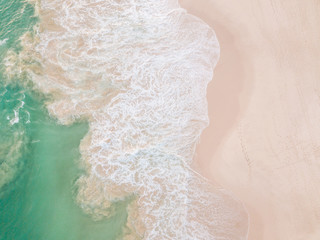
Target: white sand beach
x=263, y=142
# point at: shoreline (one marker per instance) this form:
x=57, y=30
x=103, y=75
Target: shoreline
x=127, y=153
x=263, y=108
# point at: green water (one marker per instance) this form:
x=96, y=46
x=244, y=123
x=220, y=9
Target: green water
x=38, y=159
x=16, y=17
x=38, y=203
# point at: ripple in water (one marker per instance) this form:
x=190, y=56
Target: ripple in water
x=138, y=70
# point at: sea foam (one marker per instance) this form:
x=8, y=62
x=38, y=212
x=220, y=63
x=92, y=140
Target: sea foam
x=3, y=41
x=138, y=71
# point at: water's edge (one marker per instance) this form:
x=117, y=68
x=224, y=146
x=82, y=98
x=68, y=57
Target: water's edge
x=139, y=76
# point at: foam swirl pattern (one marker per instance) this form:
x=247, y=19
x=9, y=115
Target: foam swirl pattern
x=138, y=70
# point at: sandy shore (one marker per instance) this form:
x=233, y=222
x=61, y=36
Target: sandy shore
x=263, y=142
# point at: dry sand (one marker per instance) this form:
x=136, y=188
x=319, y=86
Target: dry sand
x=263, y=142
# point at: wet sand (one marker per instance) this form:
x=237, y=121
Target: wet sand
x=264, y=137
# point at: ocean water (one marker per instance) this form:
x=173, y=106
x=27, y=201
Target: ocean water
x=102, y=105
x=39, y=158
x=37, y=202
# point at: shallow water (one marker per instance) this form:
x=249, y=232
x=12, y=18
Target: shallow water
x=38, y=202
x=39, y=159
x=137, y=71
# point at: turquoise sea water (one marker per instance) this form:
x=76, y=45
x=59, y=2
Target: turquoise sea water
x=39, y=158
x=16, y=17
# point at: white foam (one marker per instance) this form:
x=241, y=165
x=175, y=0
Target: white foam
x=16, y=117
x=138, y=70
x=3, y=41
x=16, y=110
